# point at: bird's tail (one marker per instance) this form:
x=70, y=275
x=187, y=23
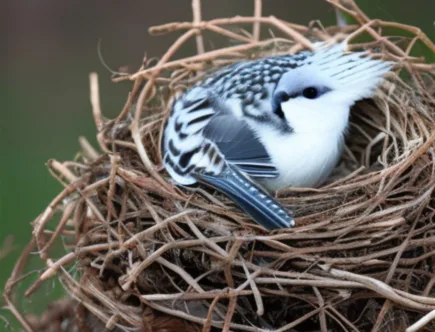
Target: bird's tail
x=252, y=199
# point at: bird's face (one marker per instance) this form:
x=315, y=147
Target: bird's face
x=316, y=99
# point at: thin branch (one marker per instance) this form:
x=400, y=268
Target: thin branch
x=258, y=4
x=95, y=100
x=196, y=9
x=418, y=325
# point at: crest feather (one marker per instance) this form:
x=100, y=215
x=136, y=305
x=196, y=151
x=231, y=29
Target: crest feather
x=348, y=68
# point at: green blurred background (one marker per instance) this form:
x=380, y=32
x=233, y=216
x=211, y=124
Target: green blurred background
x=49, y=48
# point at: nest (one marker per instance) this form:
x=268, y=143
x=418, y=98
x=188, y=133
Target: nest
x=140, y=251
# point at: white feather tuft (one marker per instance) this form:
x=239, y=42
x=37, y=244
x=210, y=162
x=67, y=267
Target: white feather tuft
x=348, y=68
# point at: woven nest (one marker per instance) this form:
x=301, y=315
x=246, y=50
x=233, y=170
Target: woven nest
x=142, y=250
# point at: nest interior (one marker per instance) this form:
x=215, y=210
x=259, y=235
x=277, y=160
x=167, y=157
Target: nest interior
x=360, y=257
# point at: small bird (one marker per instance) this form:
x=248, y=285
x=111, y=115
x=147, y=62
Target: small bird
x=262, y=125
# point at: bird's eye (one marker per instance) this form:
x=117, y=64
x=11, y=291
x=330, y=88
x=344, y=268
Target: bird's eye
x=310, y=93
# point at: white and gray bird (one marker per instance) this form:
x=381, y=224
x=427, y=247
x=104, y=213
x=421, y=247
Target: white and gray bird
x=269, y=123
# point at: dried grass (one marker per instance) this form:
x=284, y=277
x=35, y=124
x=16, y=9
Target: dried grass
x=360, y=258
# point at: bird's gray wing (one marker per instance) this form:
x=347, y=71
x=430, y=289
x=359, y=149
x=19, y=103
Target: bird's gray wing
x=256, y=202
x=240, y=146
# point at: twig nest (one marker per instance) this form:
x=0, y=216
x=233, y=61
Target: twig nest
x=360, y=257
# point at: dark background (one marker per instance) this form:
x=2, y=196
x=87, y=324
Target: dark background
x=48, y=48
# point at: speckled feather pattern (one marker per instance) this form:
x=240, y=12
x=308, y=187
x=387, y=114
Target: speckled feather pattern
x=248, y=81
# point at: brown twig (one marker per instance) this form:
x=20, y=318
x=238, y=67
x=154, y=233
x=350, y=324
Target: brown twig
x=258, y=4
x=196, y=9
x=95, y=101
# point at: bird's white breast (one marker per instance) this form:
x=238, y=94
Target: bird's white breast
x=302, y=159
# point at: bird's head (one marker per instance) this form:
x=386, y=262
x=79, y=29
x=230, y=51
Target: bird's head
x=317, y=96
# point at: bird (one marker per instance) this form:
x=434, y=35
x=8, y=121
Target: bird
x=258, y=126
